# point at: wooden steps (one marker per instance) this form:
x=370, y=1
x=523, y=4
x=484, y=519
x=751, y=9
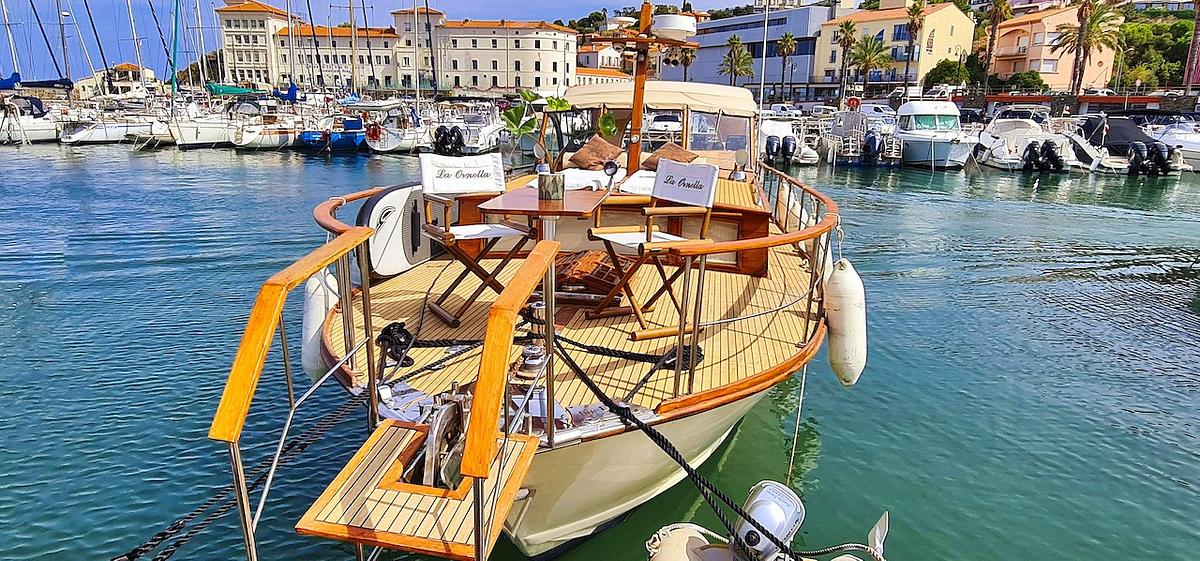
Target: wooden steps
x=367, y=504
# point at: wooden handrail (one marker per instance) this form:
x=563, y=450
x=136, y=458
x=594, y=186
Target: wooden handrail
x=828, y=222
x=260, y=331
x=493, y=367
x=323, y=214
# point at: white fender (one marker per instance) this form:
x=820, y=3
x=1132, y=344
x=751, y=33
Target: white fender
x=846, y=317
x=319, y=298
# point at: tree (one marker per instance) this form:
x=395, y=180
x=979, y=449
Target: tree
x=999, y=12
x=722, y=13
x=1132, y=76
x=869, y=54
x=1097, y=29
x=1027, y=80
x=916, y=20
x=786, y=47
x=686, y=58
x=947, y=72
x=737, y=61
x=846, y=37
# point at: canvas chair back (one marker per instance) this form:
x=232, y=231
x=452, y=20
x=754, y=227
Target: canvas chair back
x=451, y=175
x=686, y=184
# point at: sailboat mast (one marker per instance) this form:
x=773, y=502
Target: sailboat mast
x=353, y=49
x=203, y=58
x=416, y=60
x=291, y=46
x=62, y=35
x=137, y=48
x=174, y=53
x=12, y=47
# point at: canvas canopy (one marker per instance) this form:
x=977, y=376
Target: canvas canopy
x=666, y=95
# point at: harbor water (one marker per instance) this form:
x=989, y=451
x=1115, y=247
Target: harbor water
x=1032, y=391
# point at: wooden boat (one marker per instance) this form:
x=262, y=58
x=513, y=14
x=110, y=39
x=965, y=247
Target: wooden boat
x=476, y=429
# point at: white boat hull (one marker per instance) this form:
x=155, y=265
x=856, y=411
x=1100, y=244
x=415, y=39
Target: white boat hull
x=399, y=140
x=24, y=130
x=105, y=133
x=939, y=153
x=201, y=134
x=264, y=137
x=575, y=490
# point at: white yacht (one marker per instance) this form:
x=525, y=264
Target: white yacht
x=25, y=120
x=196, y=129
x=1181, y=133
x=1020, y=138
x=483, y=128
x=395, y=126
x=932, y=137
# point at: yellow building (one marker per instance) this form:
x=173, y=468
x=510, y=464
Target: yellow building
x=946, y=35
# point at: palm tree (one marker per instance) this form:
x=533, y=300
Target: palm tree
x=847, y=36
x=737, y=61
x=916, y=20
x=869, y=54
x=1000, y=11
x=686, y=58
x=1098, y=29
x=786, y=47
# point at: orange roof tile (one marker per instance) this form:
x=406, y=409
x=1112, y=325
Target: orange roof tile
x=593, y=47
x=507, y=24
x=126, y=67
x=882, y=15
x=324, y=32
x=252, y=6
x=420, y=10
x=605, y=72
x=1036, y=16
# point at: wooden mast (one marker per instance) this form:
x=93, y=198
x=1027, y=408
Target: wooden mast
x=641, y=67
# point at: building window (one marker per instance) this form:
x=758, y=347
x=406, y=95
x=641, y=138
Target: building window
x=900, y=32
x=495, y=64
x=475, y=81
x=554, y=66
x=1050, y=66
x=454, y=43
x=832, y=56
x=517, y=65
x=387, y=59
x=537, y=43
x=334, y=43
x=517, y=81
x=554, y=45
x=474, y=44
x=537, y=81
x=554, y=81
x=454, y=64
x=326, y=59
x=345, y=60
x=456, y=82
x=516, y=43
x=360, y=59
x=474, y=65
x=378, y=59
x=385, y=44
x=495, y=82
x=537, y=66
x=494, y=43
x=406, y=62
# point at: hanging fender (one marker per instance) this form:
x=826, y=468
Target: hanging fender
x=846, y=317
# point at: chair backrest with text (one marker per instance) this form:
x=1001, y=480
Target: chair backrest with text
x=451, y=175
x=686, y=184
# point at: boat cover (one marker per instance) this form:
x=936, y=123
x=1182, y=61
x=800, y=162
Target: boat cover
x=1114, y=133
x=59, y=84
x=219, y=89
x=11, y=82
x=292, y=94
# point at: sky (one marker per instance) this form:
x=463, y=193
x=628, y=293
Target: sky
x=112, y=25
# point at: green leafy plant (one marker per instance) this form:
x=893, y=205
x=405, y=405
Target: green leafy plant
x=520, y=120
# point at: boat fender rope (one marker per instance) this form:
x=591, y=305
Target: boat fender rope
x=707, y=490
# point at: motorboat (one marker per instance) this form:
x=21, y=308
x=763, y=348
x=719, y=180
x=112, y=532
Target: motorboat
x=1177, y=130
x=779, y=143
x=545, y=409
x=931, y=135
x=335, y=133
x=25, y=120
x=857, y=137
x=1020, y=138
x=483, y=128
x=1120, y=137
x=396, y=126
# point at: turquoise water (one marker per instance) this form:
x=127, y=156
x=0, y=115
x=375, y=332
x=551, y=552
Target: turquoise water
x=1032, y=390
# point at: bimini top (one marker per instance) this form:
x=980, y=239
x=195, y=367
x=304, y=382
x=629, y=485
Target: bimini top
x=661, y=94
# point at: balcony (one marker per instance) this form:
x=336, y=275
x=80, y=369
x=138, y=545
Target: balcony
x=1013, y=51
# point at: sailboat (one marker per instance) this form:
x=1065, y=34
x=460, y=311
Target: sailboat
x=545, y=422
x=397, y=126
x=335, y=133
x=25, y=120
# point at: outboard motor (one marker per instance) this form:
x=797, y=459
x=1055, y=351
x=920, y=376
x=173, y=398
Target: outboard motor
x=457, y=141
x=1160, y=156
x=778, y=509
x=1051, y=161
x=1139, y=161
x=788, y=148
x=872, y=146
x=1032, y=158
x=772, y=149
x=441, y=140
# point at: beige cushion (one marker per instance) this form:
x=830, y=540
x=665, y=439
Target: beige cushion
x=594, y=154
x=670, y=151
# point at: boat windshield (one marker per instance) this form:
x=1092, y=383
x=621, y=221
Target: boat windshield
x=714, y=131
x=929, y=122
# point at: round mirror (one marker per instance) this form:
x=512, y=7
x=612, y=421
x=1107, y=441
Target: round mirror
x=742, y=157
x=538, y=151
x=611, y=168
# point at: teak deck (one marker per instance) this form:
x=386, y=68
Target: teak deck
x=366, y=504
x=732, y=352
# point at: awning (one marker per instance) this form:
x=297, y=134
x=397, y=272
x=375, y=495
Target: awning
x=661, y=94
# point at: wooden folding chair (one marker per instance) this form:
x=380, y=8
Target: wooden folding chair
x=690, y=190
x=444, y=177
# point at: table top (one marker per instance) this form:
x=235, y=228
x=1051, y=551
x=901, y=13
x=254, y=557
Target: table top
x=525, y=202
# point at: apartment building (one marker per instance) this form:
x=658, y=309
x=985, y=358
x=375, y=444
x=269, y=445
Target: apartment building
x=1026, y=43
x=260, y=46
x=598, y=55
x=946, y=34
x=788, y=82
x=585, y=76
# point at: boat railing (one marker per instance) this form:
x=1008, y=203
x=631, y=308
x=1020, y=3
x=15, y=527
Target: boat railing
x=266, y=317
x=807, y=220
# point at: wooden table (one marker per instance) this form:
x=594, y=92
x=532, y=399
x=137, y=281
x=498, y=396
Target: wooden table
x=579, y=203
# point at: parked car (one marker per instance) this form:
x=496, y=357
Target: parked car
x=898, y=93
x=783, y=110
x=1098, y=91
x=666, y=122
x=877, y=110
x=822, y=110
